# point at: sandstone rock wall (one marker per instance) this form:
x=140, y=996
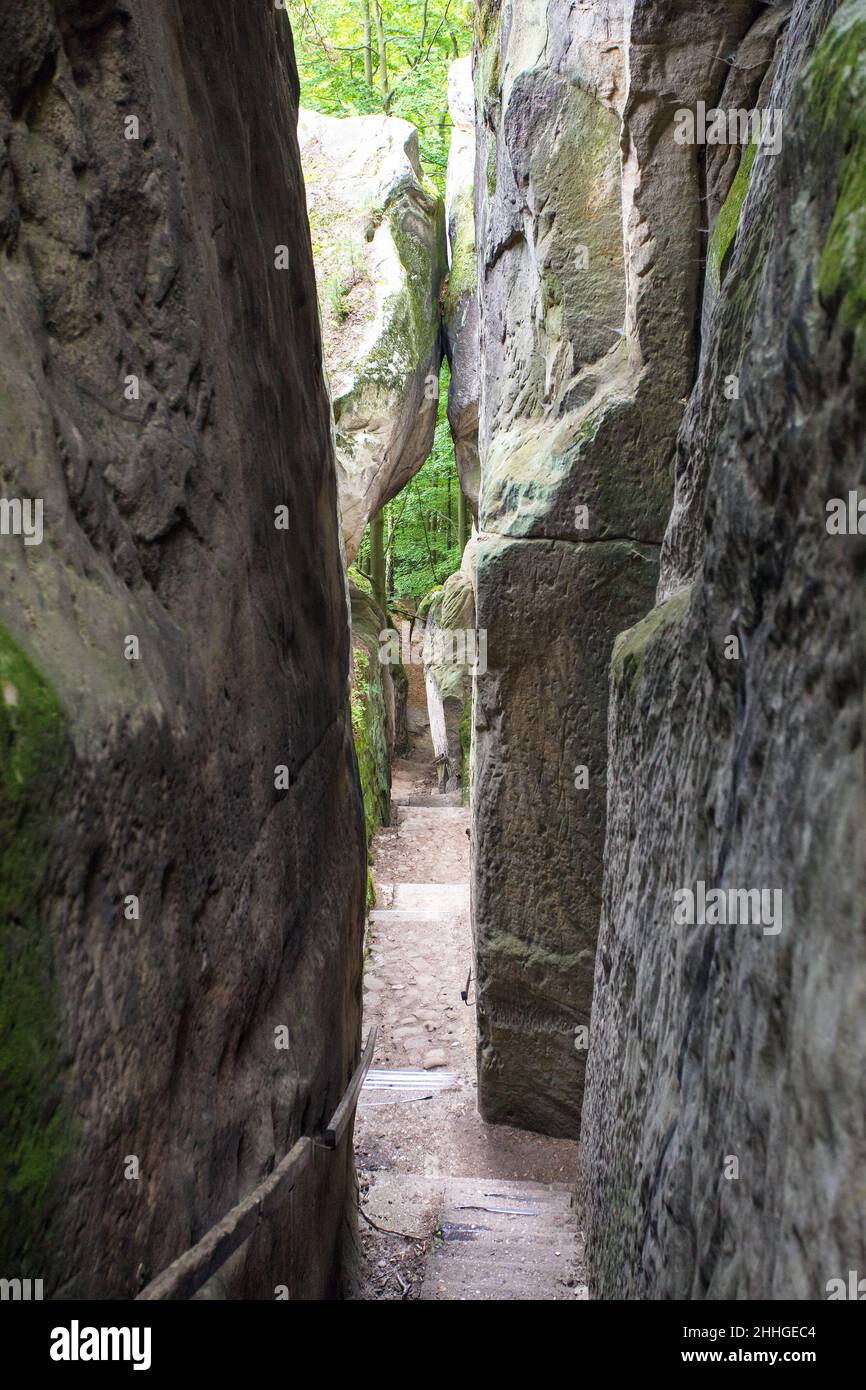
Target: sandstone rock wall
x=374, y=709
x=589, y=230
x=450, y=655
x=460, y=308
x=162, y=393
x=723, y=1130
x=378, y=235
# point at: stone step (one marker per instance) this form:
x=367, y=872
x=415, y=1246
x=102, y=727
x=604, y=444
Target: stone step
x=430, y=819
x=429, y=898
x=492, y=1190
x=503, y=1241
x=483, y=1254
x=437, y=801
x=549, y=1247
x=513, y=1291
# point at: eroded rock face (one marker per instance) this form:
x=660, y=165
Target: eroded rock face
x=378, y=236
x=163, y=395
x=451, y=653
x=374, y=709
x=589, y=227
x=723, y=1124
x=461, y=301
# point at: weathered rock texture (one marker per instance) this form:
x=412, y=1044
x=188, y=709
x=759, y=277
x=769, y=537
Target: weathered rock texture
x=378, y=232
x=461, y=300
x=589, y=226
x=718, y=1043
x=450, y=655
x=374, y=709
x=155, y=258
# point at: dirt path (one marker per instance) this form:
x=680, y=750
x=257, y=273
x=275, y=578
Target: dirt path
x=423, y=1152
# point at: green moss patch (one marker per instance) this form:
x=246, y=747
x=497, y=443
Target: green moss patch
x=463, y=276
x=836, y=87
x=371, y=744
x=34, y=753
x=428, y=601
x=631, y=647
x=728, y=221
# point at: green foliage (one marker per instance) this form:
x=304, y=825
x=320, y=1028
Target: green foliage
x=349, y=271
x=729, y=220
x=421, y=42
x=35, y=1132
x=425, y=542
x=360, y=581
x=369, y=722
x=837, y=93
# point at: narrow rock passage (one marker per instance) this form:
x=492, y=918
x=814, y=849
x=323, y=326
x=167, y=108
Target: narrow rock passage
x=489, y=1206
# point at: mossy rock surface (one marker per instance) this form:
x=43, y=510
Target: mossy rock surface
x=632, y=647
x=427, y=602
x=463, y=275
x=34, y=753
x=369, y=711
x=725, y=229
x=836, y=94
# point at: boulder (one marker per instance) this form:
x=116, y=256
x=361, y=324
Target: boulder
x=450, y=657
x=377, y=228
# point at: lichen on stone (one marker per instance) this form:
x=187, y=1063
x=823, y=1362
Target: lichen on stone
x=427, y=602
x=632, y=647
x=836, y=86
x=725, y=229
x=371, y=743
x=491, y=167
x=463, y=275
x=35, y=1132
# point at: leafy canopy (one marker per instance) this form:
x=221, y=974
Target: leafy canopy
x=425, y=542
x=421, y=37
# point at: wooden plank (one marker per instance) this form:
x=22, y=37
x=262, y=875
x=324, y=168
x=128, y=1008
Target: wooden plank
x=186, y=1274
x=334, y=1132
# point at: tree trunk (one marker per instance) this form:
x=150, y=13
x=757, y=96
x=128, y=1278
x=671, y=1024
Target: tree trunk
x=389, y=553
x=368, y=46
x=383, y=55
x=377, y=557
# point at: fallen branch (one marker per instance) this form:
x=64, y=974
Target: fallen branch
x=385, y=1231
